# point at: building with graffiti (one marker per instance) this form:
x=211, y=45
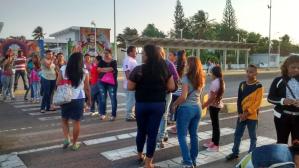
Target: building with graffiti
x=84, y=39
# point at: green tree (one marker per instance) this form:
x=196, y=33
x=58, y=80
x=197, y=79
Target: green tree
x=243, y=35
x=275, y=46
x=229, y=23
x=253, y=37
x=286, y=46
x=37, y=33
x=200, y=25
x=152, y=31
x=128, y=33
x=179, y=21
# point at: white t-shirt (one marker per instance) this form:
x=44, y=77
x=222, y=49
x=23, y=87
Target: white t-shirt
x=78, y=93
x=128, y=65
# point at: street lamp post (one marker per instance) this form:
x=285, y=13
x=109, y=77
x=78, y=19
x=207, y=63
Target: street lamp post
x=238, y=52
x=115, y=46
x=95, y=37
x=269, y=51
x=181, y=33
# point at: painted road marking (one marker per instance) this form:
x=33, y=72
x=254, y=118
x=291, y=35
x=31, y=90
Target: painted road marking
x=84, y=114
x=205, y=157
x=58, y=111
x=172, y=142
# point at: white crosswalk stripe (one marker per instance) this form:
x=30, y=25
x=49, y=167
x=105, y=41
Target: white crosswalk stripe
x=33, y=109
x=205, y=157
x=84, y=114
x=126, y=152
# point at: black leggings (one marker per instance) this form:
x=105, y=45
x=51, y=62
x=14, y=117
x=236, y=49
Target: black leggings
x=214, y=115
x=286, y=125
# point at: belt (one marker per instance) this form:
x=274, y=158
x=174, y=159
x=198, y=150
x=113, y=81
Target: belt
x=291, y=113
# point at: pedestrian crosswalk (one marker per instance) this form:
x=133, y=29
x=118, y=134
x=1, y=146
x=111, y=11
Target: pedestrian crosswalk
x=33, y=110
x=126, y=151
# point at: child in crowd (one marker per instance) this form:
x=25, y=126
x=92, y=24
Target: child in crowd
x=35, y=79
x=250, y=97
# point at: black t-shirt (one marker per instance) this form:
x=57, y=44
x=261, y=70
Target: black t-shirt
x=149, y=88
x=112, y=64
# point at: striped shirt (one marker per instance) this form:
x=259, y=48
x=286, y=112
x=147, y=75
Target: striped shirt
x=20, y=63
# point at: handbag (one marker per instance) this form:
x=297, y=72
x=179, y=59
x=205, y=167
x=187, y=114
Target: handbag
x=108, y=78
x=63, y=93
x=203, y=98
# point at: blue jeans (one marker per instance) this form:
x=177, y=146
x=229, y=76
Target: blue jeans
x=148, y=117
x=112, y=91
x=163, y=124
x=32, y=91
x=130, y=103
x=36, y=90
x=188, y=117
x=7, y=86
x=48, y=91
x=251, y=125
x=267, y=155
x=94, y=96
x=0, y=81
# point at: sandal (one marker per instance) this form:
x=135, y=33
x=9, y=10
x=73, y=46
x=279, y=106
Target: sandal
x=141, y=159
x=66, y=144
x=76, y=147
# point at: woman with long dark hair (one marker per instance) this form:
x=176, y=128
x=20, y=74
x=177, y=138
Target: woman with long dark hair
x=180, y=67
x=188, y=109
x=74, y=74
x=215, y=104
x=150, y=80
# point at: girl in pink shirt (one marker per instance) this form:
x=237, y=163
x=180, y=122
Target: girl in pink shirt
x=215, y=104
x=35, y=80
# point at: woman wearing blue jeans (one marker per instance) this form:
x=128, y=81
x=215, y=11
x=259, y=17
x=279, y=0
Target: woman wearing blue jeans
x=150, y=80
x=48, y=81
x=107, y=65
x=188, y=109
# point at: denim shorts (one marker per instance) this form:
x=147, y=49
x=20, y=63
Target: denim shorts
x=73, y=110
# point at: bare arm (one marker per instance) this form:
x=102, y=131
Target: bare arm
x=170, y=84
x=47, y=63
x=131, y=85
x=211, y=99
x=296, y=160
x=105, y=69
x=59, y=78
x=183, y=97
x=127, y=74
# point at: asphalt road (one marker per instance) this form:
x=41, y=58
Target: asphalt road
x=37, y=137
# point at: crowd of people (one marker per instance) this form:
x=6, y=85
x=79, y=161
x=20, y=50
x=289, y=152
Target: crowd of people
x=162, y=88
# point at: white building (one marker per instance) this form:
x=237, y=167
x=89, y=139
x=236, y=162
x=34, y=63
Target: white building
x=261, y=60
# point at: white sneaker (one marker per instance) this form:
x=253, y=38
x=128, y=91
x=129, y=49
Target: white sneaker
x=208, y=144
x=213, y=148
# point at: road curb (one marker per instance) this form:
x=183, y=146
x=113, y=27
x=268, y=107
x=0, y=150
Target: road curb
x=232, y=107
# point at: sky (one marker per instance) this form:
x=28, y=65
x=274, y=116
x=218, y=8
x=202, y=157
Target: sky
x=20, y=17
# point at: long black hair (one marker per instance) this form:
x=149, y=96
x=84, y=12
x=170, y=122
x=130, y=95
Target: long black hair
x=74, y=69
x=217, y=72
x=181, y=62
x=154, y=64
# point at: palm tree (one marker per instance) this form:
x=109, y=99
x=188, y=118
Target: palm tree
x=38, y=33
x=200, y=24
